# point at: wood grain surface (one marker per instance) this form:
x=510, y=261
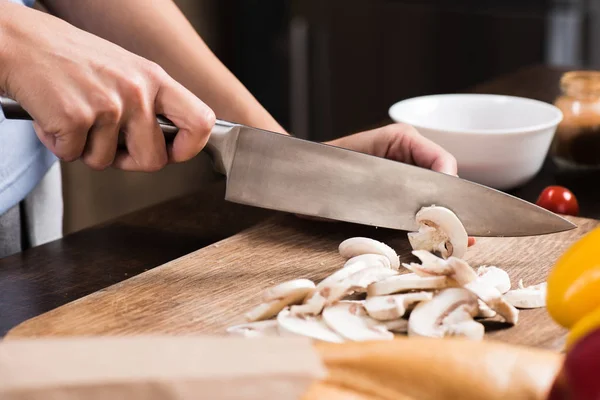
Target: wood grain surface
x=210, y=289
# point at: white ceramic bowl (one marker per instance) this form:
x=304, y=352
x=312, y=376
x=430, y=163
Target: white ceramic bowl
x=498, y=141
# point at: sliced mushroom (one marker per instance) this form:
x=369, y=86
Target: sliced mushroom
x=496, y=277
x=463, y=272
x=280, y=296
x=350, y=320
x=360, y=280
x=397, y=326
x=299, y=287
x=312, y=327
x=357, y=246
x=407, y=283
x=371, y=260
x=337, y=290
x=385, y=308
x=447, y=313
x=255, y=329
x=493, y=298
x=485, y=311
x=460, y=323
x=431, y=265
x=527, y=297
x=344, y=272
x=440, y=231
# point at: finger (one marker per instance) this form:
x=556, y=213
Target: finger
x=471, y=242
x=425, y=153
x=194, y=119
x=66, y=145
x=101, y=146
x=145, y=142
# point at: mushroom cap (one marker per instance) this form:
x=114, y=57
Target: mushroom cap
x=296, y=287
x=406, y=283
x=350, y=320
x=444, y=220
x=357, y=246
x=312, y=327
x=433, y=318
x=255, y=329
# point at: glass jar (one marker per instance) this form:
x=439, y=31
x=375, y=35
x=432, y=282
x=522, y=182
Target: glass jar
x=577, y=139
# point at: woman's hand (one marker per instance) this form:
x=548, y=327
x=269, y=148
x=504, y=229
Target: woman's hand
x=82, y=91
x=400, y=142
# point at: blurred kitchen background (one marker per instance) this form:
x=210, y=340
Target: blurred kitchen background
x=326, y=68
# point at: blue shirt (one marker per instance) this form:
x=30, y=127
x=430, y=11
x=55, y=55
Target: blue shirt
x=23, y=158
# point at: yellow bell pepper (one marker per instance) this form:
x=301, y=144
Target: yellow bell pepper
x=573, y=293
x=585, y=325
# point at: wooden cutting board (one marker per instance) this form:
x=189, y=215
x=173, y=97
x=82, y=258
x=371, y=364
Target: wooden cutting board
x=210, y=289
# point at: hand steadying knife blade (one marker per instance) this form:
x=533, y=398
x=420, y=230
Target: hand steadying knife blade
x=274, y=171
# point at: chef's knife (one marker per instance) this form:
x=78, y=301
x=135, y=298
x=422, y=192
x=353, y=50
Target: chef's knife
x=279, y=172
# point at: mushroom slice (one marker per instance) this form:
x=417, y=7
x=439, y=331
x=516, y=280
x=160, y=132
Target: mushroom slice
x=360, y=280
x=398, y=325
x=496, y=277
x=385, y=308
x=296, y=287
x=485, y=311
x=431, y=265
x=255, y=329
x=463, y=273
x=357, y=246
x=460, y=323
x=350, y=320
x=371, y=260
x=343, y=273
x=447, y=313
x=285, y=294
x=440, y=231
x=407, y=283
x=312, y=327
x=335, y=290
x=527, y=297
x=493, y=298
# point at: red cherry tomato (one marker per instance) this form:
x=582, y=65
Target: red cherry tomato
x=559, y=200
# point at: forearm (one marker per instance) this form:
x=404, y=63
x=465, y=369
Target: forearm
x=158, y=31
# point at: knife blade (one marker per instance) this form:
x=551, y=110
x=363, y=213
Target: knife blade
x=279, y=172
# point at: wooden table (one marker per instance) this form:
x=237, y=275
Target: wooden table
x=49, y=276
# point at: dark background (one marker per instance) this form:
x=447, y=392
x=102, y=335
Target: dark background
x=328, y=68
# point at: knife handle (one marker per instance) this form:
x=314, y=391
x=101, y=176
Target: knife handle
x=13, y=110
x=220, y=146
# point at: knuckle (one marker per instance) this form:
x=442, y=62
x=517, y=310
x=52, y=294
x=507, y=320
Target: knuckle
x=110, y=109
x=136, y=89
x=76, y=118
x=154, y=70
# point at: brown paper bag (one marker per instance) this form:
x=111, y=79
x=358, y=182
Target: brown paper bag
x=158, y=368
